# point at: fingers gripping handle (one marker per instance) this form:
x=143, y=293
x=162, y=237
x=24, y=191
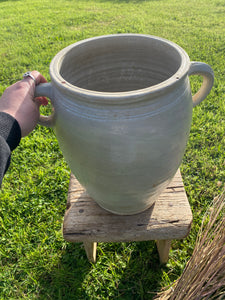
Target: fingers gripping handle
x=204, y=70
x=45, y=89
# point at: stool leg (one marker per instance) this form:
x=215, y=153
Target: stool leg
x=163, y=247
x=90, y=248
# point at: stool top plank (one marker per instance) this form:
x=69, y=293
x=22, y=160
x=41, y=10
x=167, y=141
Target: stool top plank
x=169, y=218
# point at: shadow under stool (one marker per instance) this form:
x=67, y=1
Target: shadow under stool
x=169, y=218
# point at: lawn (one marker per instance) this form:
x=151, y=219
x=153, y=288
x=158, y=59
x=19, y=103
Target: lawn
x=35, y=261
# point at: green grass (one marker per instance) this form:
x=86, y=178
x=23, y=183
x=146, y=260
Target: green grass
x=35, y=261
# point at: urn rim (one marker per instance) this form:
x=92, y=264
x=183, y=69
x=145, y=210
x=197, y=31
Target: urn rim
x=124, y=96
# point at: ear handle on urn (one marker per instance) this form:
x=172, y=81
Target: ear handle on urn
x=204, y=70
x=45, y=89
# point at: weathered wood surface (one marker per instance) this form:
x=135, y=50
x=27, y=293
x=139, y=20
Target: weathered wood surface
x=91, y=250
x=163, y=247
x=169, y=218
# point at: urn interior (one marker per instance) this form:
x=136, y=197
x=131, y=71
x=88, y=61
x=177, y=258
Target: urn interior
x=119, y=63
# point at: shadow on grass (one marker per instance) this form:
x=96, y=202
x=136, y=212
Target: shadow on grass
x=127, y=1
x=123, y=271
x=118, y=1
x=142, y=276
x=8, y=0
x=65, y=280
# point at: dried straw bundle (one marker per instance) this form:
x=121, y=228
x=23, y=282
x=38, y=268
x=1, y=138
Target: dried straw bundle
x=204, y=275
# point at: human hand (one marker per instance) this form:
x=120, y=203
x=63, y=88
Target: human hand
x=19, y=102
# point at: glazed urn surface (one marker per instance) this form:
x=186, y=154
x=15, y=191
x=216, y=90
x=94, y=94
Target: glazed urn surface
x=122, y=115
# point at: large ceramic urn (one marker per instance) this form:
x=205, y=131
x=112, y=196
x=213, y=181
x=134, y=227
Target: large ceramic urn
x=122, y=115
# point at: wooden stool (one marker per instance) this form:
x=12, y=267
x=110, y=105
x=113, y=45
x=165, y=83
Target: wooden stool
x=169, y=218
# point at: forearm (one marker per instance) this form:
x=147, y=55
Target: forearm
x=10, y=135
x=4, y=157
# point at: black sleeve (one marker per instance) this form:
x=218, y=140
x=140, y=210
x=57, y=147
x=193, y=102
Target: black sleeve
x=10, y=135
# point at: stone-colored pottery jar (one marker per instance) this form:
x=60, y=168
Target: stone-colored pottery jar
x=122, y=115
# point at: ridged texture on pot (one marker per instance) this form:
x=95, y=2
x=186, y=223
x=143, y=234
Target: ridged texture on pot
x=122, y=116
